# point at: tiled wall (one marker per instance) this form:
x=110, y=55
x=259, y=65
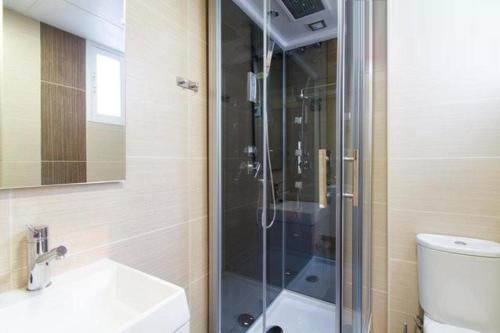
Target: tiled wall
x=156, y=220
x=20, y=121
x=379, y=207
x=105, y=151
x=444, y=137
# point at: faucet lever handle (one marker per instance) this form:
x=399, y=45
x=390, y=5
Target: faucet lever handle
x=37, y=232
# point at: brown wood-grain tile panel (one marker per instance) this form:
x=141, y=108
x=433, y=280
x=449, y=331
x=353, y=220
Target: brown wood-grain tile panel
x=63, y=107
x=63, y=131
x=63, y=172
x=63, y=57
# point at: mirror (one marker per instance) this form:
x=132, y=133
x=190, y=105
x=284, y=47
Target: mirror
x=62, y=112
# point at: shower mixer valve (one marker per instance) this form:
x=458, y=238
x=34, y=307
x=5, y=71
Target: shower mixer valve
x=250, y=150
x=251, y=165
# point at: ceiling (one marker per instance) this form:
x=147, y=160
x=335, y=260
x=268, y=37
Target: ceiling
x=96, y=20
x=291, y=33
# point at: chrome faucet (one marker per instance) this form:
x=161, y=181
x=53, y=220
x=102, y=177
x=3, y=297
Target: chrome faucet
x=39, y=257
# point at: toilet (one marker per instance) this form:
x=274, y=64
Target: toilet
x=459, y=284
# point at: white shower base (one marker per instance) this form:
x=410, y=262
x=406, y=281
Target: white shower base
x=296, y=313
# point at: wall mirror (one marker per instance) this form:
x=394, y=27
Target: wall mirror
x=62, y=112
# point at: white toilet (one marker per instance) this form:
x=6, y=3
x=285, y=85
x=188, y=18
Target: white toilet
x=459, y=284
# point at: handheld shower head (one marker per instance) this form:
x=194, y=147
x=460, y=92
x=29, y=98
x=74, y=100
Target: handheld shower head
x=269, y=57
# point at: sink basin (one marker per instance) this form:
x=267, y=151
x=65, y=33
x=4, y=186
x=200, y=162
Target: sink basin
x=104, y=297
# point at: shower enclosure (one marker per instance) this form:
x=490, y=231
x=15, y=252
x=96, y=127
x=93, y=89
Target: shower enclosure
x=290, y=166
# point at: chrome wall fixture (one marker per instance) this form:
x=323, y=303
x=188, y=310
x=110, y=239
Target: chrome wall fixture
x=188, y=84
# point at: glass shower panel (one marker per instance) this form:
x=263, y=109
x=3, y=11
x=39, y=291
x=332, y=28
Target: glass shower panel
x=241, y=283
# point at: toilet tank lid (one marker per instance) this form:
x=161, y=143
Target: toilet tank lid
x=460, y=245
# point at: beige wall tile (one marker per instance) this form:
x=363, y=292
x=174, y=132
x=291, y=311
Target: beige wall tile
x=21, y=137
x=20, y=123
x=198, y=44
x=105, y=142
x=162, y=253
x=379, y=179
x=198, y=131
x=198, y=257
x=459, y=185
x=379, y=247
x=428, y=60
x=4, y=241
x=397, y=320
x=379, y=312
x=403, y=293
x=460, y=129
x=406, y=224
x=158, y=129
x=19, y=174
x=198, y=303
x=197, y=15
x=380, y=36
x=379, y=175
x=444, y=154
x=82, y=217
x=198, y=66
x=197, y=188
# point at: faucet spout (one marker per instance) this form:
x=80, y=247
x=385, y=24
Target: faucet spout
x=57, y=253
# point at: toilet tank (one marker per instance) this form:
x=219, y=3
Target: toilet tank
x=459, y=281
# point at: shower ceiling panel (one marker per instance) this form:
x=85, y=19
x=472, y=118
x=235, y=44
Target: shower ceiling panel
x=290, y=28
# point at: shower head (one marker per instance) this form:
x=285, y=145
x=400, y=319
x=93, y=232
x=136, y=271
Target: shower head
x=302, y=8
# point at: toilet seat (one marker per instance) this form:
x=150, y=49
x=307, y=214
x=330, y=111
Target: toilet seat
x=431, y=326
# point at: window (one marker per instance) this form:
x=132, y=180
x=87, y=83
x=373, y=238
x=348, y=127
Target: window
x=105, y=82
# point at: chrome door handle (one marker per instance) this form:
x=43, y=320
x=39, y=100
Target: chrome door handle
x=322, y=178
x=355, y=177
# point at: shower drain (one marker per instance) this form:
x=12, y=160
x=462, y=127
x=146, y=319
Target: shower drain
x=275, y=329
x=312, y=278
x=245, y=319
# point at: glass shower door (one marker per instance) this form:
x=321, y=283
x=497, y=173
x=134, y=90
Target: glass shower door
x=299, y=144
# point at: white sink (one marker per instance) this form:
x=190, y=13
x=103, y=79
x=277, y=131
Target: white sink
x=104, y=297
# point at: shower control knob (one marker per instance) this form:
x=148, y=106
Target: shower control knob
x=250, y=150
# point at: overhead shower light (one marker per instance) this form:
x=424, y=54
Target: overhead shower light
x=317, y=25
